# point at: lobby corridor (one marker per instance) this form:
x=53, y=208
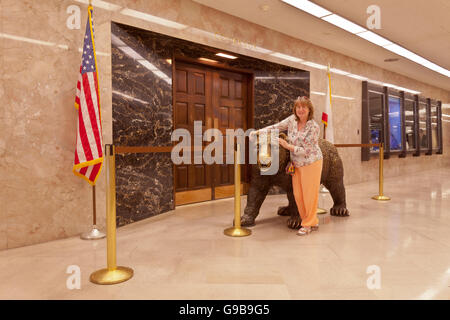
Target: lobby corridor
x=184, y=254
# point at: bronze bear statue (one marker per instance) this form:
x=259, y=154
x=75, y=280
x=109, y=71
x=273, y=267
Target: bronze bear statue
x=332, y=178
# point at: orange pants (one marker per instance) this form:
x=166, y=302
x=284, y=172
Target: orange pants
x=305, y=184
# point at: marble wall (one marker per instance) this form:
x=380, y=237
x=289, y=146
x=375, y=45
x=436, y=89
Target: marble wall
x=41, y=199
x=141, y=116
x=142, y=110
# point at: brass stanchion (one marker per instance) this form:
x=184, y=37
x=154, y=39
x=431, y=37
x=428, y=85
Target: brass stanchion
x=112, y=274
x=380, y=196
x=237, y=231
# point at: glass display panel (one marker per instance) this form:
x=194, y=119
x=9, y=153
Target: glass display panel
x=423, y=139
x=376, y=119
x=395, y=124
x=434, y=127
x=409, y=125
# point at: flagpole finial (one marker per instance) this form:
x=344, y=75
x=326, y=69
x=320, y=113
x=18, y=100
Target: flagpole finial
x=90, y=3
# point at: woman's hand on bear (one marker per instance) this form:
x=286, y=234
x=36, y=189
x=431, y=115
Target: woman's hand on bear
x=283, y=143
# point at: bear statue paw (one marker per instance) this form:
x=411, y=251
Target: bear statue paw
x=283, y=211
x=294, y=223
x=247, y=221
x=340, y=211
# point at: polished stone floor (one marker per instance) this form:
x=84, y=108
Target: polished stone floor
x=184, y=254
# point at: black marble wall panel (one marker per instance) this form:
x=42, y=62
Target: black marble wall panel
x=275, y=92
x=142, y=110
x=143, y=186
x=142, y=116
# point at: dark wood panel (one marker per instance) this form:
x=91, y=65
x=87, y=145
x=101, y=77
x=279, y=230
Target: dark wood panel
x=193, y=196
x=197, y=101
x=218, y=98
x=182, y=177
x=199, y=83
x=181, y=113
x=200, y=112
x=181, y=81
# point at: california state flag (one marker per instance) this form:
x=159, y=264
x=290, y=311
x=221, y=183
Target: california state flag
x=327, y=116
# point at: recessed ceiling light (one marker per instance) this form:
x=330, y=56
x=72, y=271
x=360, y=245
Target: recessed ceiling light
x=351, y=27
x=309, y=7
x=224, y=55
x=208, y=60
x=374, y=38
x=416, y=58
x=344, y=23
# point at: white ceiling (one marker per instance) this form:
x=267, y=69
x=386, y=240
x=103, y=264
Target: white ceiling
x=421, y=26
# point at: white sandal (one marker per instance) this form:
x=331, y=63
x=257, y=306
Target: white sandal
x=303, y=231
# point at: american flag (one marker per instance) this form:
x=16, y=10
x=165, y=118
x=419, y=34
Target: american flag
x=88, y=153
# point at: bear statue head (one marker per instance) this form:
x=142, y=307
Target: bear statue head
x=264, y=152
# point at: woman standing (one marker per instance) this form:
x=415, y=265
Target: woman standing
x=303, y=144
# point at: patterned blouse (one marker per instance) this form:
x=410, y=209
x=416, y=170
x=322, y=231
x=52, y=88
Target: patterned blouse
x=306, y=141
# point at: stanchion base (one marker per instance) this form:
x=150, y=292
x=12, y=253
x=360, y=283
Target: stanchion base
x=381, y=198
x=321, y=211
x=94, y=234
x=237, y=232
x=106, y=276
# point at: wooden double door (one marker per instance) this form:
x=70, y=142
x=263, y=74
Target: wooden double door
x=219, y=99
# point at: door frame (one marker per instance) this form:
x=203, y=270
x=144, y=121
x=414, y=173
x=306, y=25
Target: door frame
x=249, y=110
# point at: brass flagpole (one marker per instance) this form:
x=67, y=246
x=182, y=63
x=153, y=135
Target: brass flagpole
x=322, y=188
x=94, y=233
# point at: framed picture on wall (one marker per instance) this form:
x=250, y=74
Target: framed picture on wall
x=395, y=114
x=373, y=115
x=410, y=123
x=424, y=139
x=403, y=122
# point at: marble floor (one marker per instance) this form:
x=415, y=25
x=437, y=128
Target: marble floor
x=402, y=245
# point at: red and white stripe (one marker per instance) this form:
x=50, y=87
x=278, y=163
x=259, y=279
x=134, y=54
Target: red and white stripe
x=88, y=152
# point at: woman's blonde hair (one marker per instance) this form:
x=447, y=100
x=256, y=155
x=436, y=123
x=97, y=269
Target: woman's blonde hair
x=304, y=101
